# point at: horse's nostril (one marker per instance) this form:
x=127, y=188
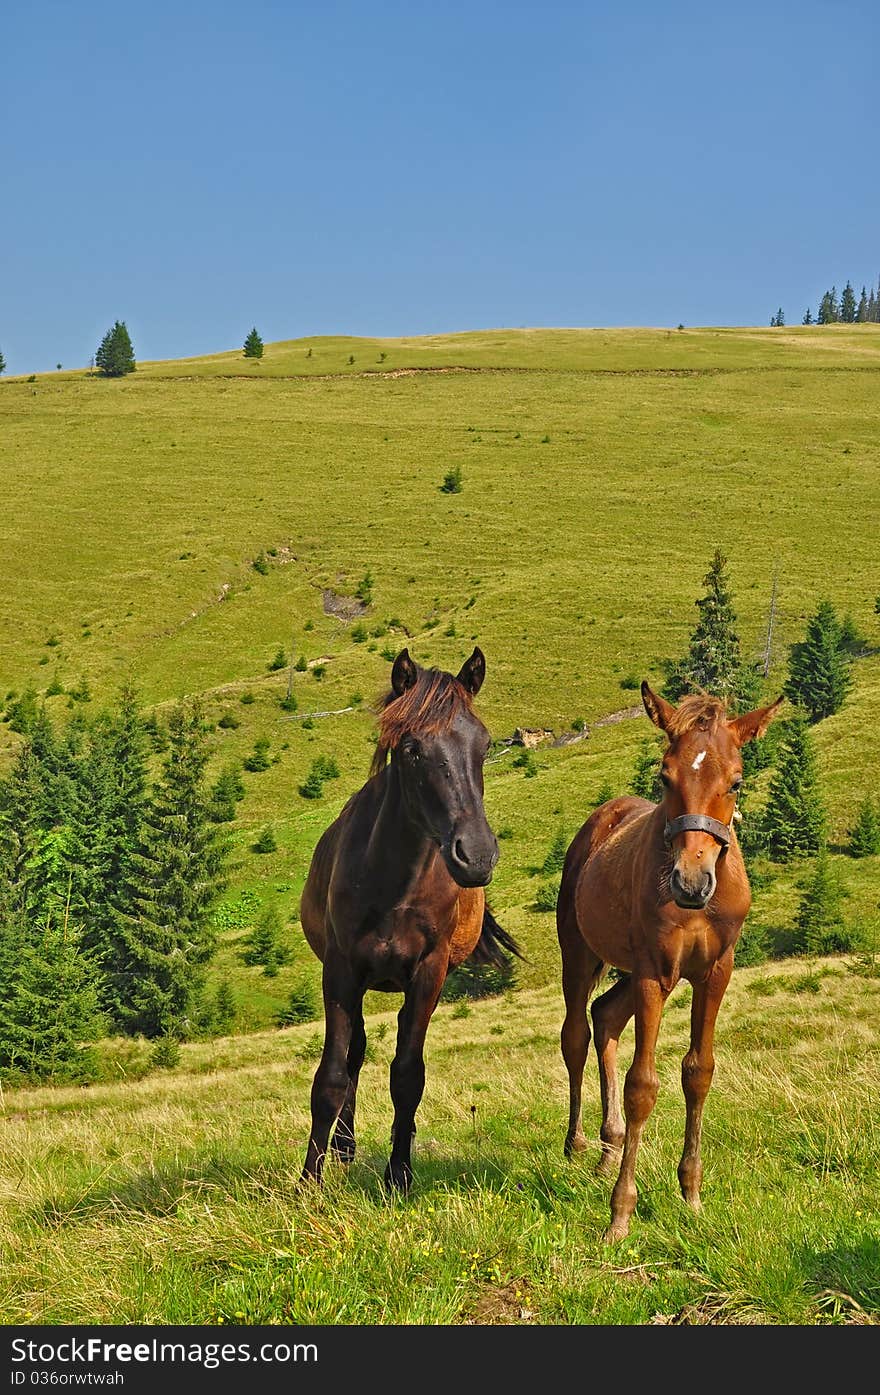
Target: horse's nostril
x=459, y=853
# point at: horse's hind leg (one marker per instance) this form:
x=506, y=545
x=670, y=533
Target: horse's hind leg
x=697, y=1070
x=408, y=1066
x=343, y=1144
x=342, y=1000
x=580, y=971
x=610, y=1015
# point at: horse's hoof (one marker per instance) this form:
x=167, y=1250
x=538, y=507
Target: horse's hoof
x=577, y=1144
x=398, y=1177
x=307, y=1180
x=618, y=1230
x=608, y=1164
x=693, y=1201
x=344, y=1152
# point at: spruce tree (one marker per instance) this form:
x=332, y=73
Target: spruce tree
x=780, y=317
x=2, y=363
x=555, y=859
x=862, y=311
x=714, y=661
x=266, y=945
x=808, y=317
x=176, y=876
x=115, y=355
x=819, y=927
x=794, y=819
x=253, y=345
x=864, y=838
x=49, y=1006
x=645, y=780
x=872, y=307
x=819, y=676
x=225, y=794
x=225, y=1007
x=848, y=305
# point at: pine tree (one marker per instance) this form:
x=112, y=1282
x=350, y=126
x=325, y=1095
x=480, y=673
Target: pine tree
x=2, y=363
x=115, y=355
x=872, y=307
x=819, y=927
x=555, y=858
x=819, y=676
x=780, y=318
x=862, y=311
x=714, y=662
x=794, y=819
x=253, y=345
x=848, y=305
x=864, y=838
x=829, y=312
x=225, y=1006
x=266, y=944
x=808, y=317
x=49, y=1005
x=176, y=876
x=226, y=793
x=645, y=780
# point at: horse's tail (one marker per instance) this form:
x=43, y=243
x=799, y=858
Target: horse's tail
x=495, y=944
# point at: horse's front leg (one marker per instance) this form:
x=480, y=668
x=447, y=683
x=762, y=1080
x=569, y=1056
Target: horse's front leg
x=342, y=1007
x=639, y=1098
x=697, y=1070
x=408, y=1066
x=342, y=1143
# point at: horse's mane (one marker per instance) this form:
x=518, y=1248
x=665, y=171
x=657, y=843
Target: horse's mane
x=696, y=712
x=429, y=706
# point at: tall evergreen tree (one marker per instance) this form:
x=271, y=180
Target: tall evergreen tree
x=819, y=676
x=808, y=317
x=862, y=311
x=2, y=363
x=714, y=660
x=645, y=780
x=794, y=820
x=829, y=310
x=780, y=318
x=115, y=355
x=175, y=879
x=872, y=308
x=848, y=305
x=253, y=345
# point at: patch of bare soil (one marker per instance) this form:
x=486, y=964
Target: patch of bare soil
x=345, y=608
x=498, y=1306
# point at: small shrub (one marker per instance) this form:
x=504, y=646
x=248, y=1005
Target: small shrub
x=355, y=699
x=318, y=672
x=259, y=757
x=228, y=721
x=247, y=698
x=301, y=664
x=526, y=762
x=478, y=981
x=453, y=481
x=261, y=564
x=312, y=786
x=504, y=833
x=165, y=1054
x=225, y=1008
x=313, y=1048
x=359, y=632
x=55, y=687
x=279, y=661
x=303, y=1005
x=555, y=858
x=752, y=947
x=547, y=896
x=461, y=1009
x=364, y=591
x=266, y=842
x=605, y=792
x=630, y=682
x=326, y=768
x=288, y=703
x=864, y=837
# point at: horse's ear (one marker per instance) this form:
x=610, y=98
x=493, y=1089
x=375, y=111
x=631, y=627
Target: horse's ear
x=404, y=673
x=753, y=724
x=472, y=672
x=658, y=709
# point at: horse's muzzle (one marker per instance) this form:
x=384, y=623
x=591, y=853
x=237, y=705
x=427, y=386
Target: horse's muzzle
x=692, y=895
x=471, y=862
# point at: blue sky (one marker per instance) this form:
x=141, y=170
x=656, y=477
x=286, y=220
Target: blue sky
x=405, y=168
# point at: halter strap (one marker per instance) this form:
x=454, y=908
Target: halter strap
x=698, y=823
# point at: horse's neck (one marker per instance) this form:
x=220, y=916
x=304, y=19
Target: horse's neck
x=398, y=853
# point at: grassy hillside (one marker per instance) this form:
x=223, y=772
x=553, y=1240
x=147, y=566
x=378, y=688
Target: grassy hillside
x=600, y=468
x=173, y=1200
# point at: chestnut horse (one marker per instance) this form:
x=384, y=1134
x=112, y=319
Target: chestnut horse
x=394, y=897
x=660, y=892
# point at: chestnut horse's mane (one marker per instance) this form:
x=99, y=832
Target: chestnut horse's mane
x=429, y=706
x=697, y=711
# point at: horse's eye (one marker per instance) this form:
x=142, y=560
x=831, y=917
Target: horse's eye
x=737, y=785
x=664, y=778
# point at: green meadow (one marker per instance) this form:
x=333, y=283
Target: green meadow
x=600, y=469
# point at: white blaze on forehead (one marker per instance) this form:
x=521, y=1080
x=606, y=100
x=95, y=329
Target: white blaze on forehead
x=698, y=760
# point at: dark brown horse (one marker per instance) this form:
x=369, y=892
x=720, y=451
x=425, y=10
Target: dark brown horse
x=660, y=892
x=394, y=897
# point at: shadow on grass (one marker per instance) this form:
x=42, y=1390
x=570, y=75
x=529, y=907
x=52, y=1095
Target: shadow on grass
x=847, y=1277
x=159, y=1189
